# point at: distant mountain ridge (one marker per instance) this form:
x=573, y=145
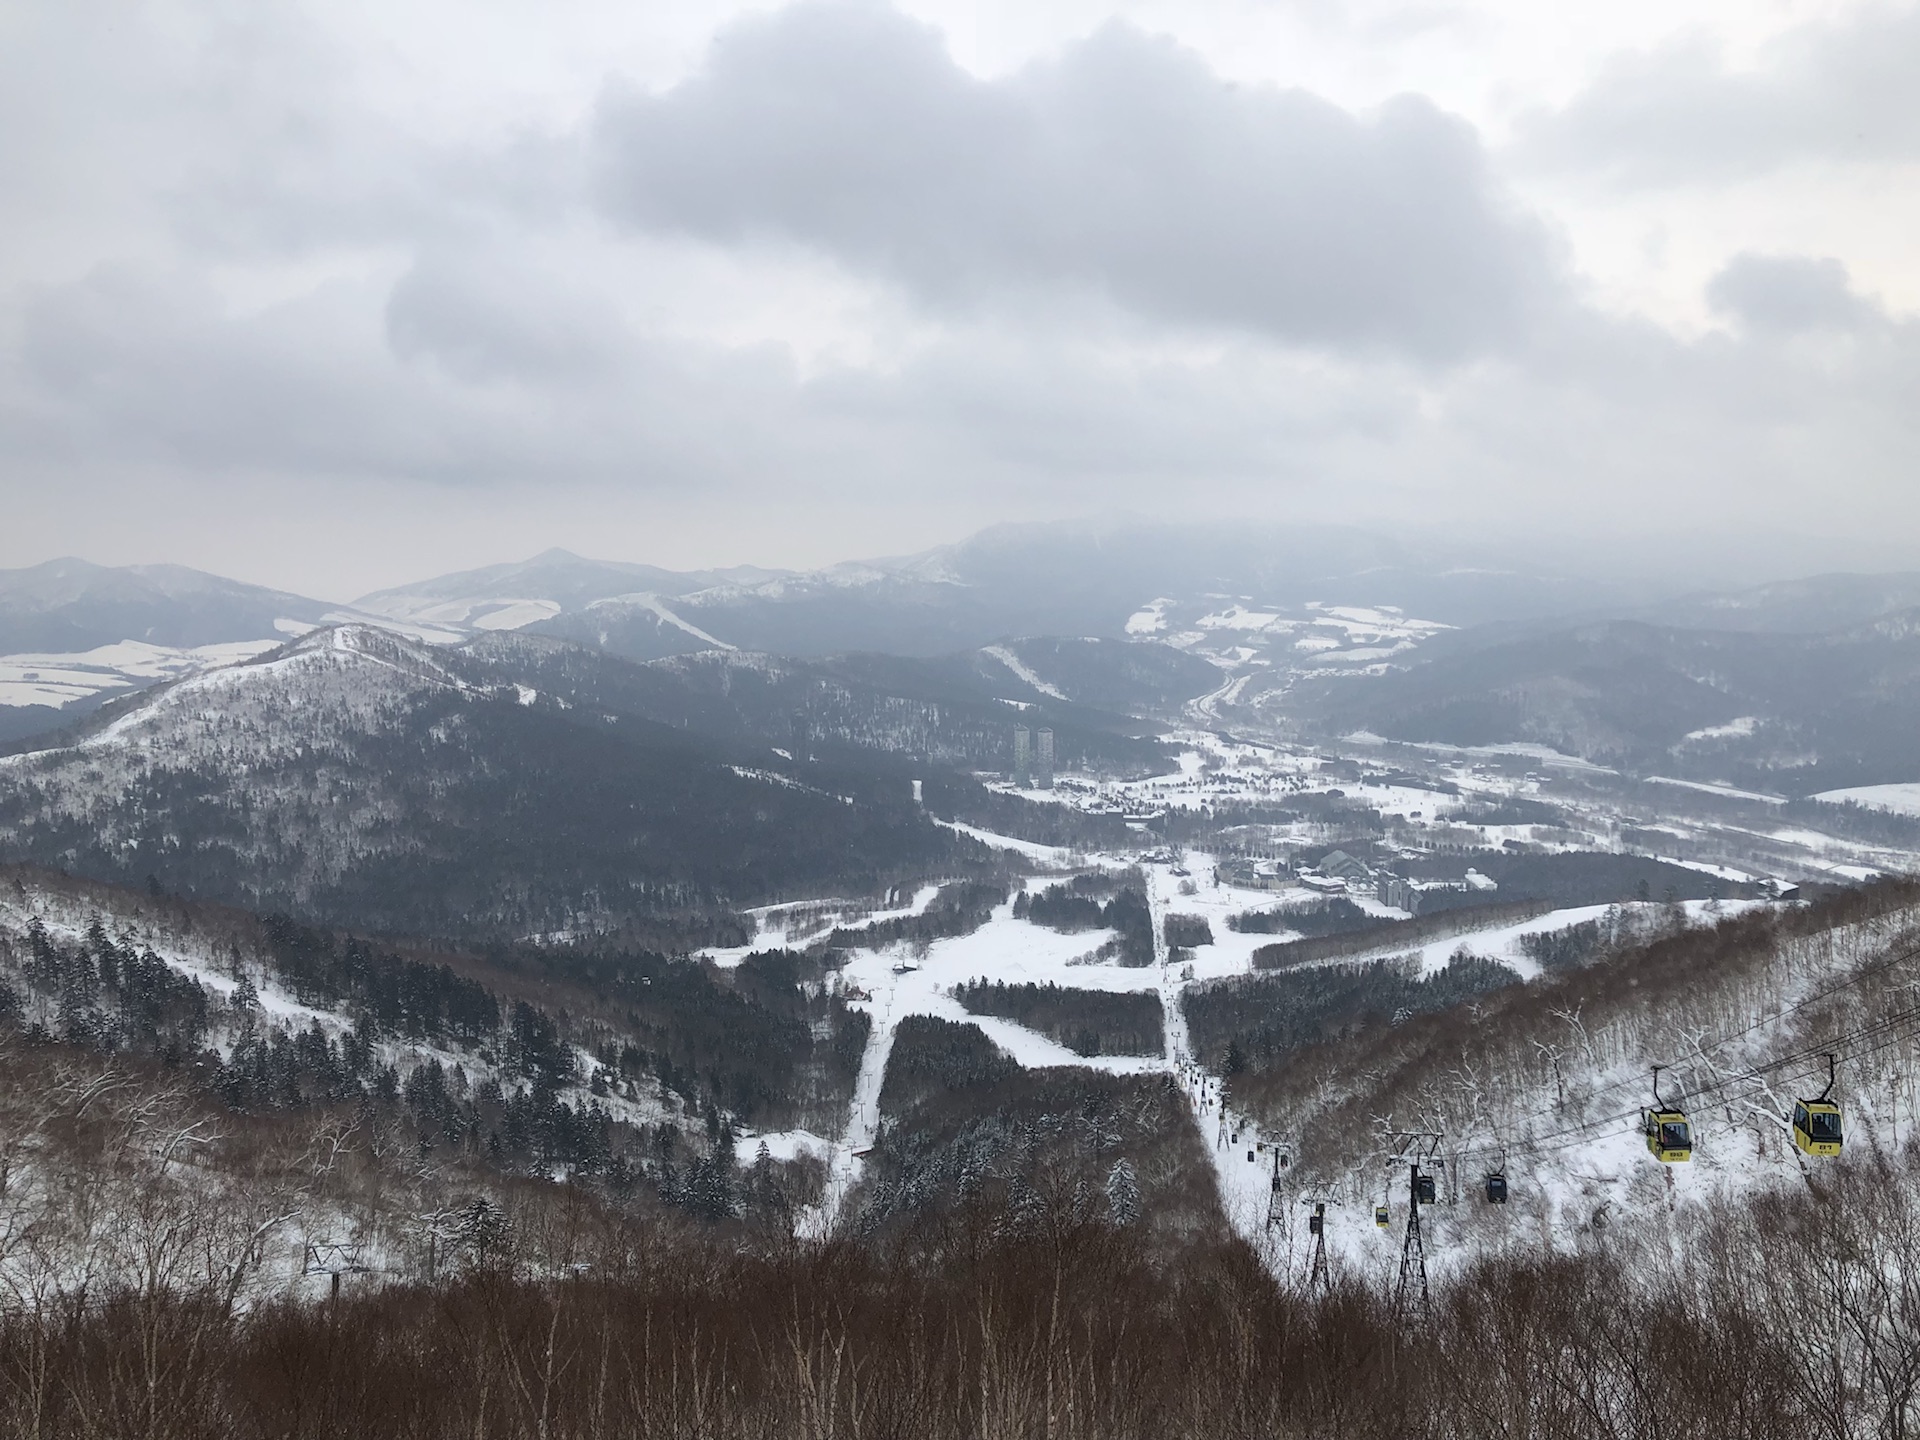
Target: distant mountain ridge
x=1795, y=713
x=519, y=593
x=361, y=775
x=1817, y=605
x=518, y=784
x=72, y=605
x=1264, y=606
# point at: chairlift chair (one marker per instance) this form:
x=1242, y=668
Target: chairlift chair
x=1668, y=1132
x=1816, y=1122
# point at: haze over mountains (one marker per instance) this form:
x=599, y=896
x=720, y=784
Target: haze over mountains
x=1310, y=631
x=1402, y=920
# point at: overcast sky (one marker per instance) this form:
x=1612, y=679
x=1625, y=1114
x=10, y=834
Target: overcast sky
x=337, y=295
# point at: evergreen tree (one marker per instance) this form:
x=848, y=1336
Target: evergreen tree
x=1123, y=1193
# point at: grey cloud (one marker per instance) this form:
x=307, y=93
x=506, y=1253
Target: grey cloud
x=495, y=359
x=135, y=363
x=1833, y=92
x=487, y=316
x=1125, y=166
x=1611, y=423
x=1788, y=293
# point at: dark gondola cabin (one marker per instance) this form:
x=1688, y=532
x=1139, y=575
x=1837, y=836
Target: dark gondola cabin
x=1496, y=1189
x=1816, y=1127
x=1423, y=1189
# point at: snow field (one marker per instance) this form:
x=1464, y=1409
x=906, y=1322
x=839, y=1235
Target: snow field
x=1902, y=799
x=56, y=680
x=796, y=923
x=1011, y=950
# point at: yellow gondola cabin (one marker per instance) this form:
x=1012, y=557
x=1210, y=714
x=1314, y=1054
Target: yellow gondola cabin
x=1669, y=1135
x=1816, y=1127
x=1816, y=1122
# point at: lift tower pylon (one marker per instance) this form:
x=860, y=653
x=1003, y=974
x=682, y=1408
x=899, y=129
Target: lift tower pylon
x=1317, y=1277
x=1276, y=1205
x=1413, y=1255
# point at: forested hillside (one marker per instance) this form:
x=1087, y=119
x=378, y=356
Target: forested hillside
x=355, y=777
x=630, y=1071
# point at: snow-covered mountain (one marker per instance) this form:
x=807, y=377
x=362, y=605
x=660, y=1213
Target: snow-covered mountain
x=523, y=593
x=1281, y=618
x=1236, y=594
x=1783, y=713
x=75, y=635
x=359, y=773
x=1817, y=605
x=517, y=783
x=68, y=606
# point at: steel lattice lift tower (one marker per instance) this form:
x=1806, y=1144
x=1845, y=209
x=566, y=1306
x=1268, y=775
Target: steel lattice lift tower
x=1317, y=1277
x=1276, y=1207
x=1419, y=1145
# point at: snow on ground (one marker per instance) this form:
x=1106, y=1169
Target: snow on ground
x=482, y=612
x=57, y=680
x=1150, y=618
x=515, y=614
x=1502, y=942
x=1721, y=872
x=659, y=608
x=1385, y=620
x=901, y=983
x=66, y=921
x=1006, y=949
x=1021, y=670
x=1562, y=1181
x=1828, y=854
x=1403, y=801
x=1715, y=787
x=1231, y=953
x=846, y=1161
x=1733, y=730
x=1545, y=754
x=1902, y=799
x=1246, y=1185
x=797, y=923
x=1853, y=872
x=782, y=1145
x=1042, y=854
x=1239, y=617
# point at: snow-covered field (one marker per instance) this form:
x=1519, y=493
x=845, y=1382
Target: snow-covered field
x=1903, y=799
x=1246, y=635
x=1564, y=1185
x=59, y=680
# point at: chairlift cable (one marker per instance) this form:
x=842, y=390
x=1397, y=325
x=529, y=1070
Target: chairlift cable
x=1882, y=1031
x=1853, y=978
x=1584, y=1132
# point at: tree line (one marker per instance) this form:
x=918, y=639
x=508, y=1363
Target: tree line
x=1087, y=1022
